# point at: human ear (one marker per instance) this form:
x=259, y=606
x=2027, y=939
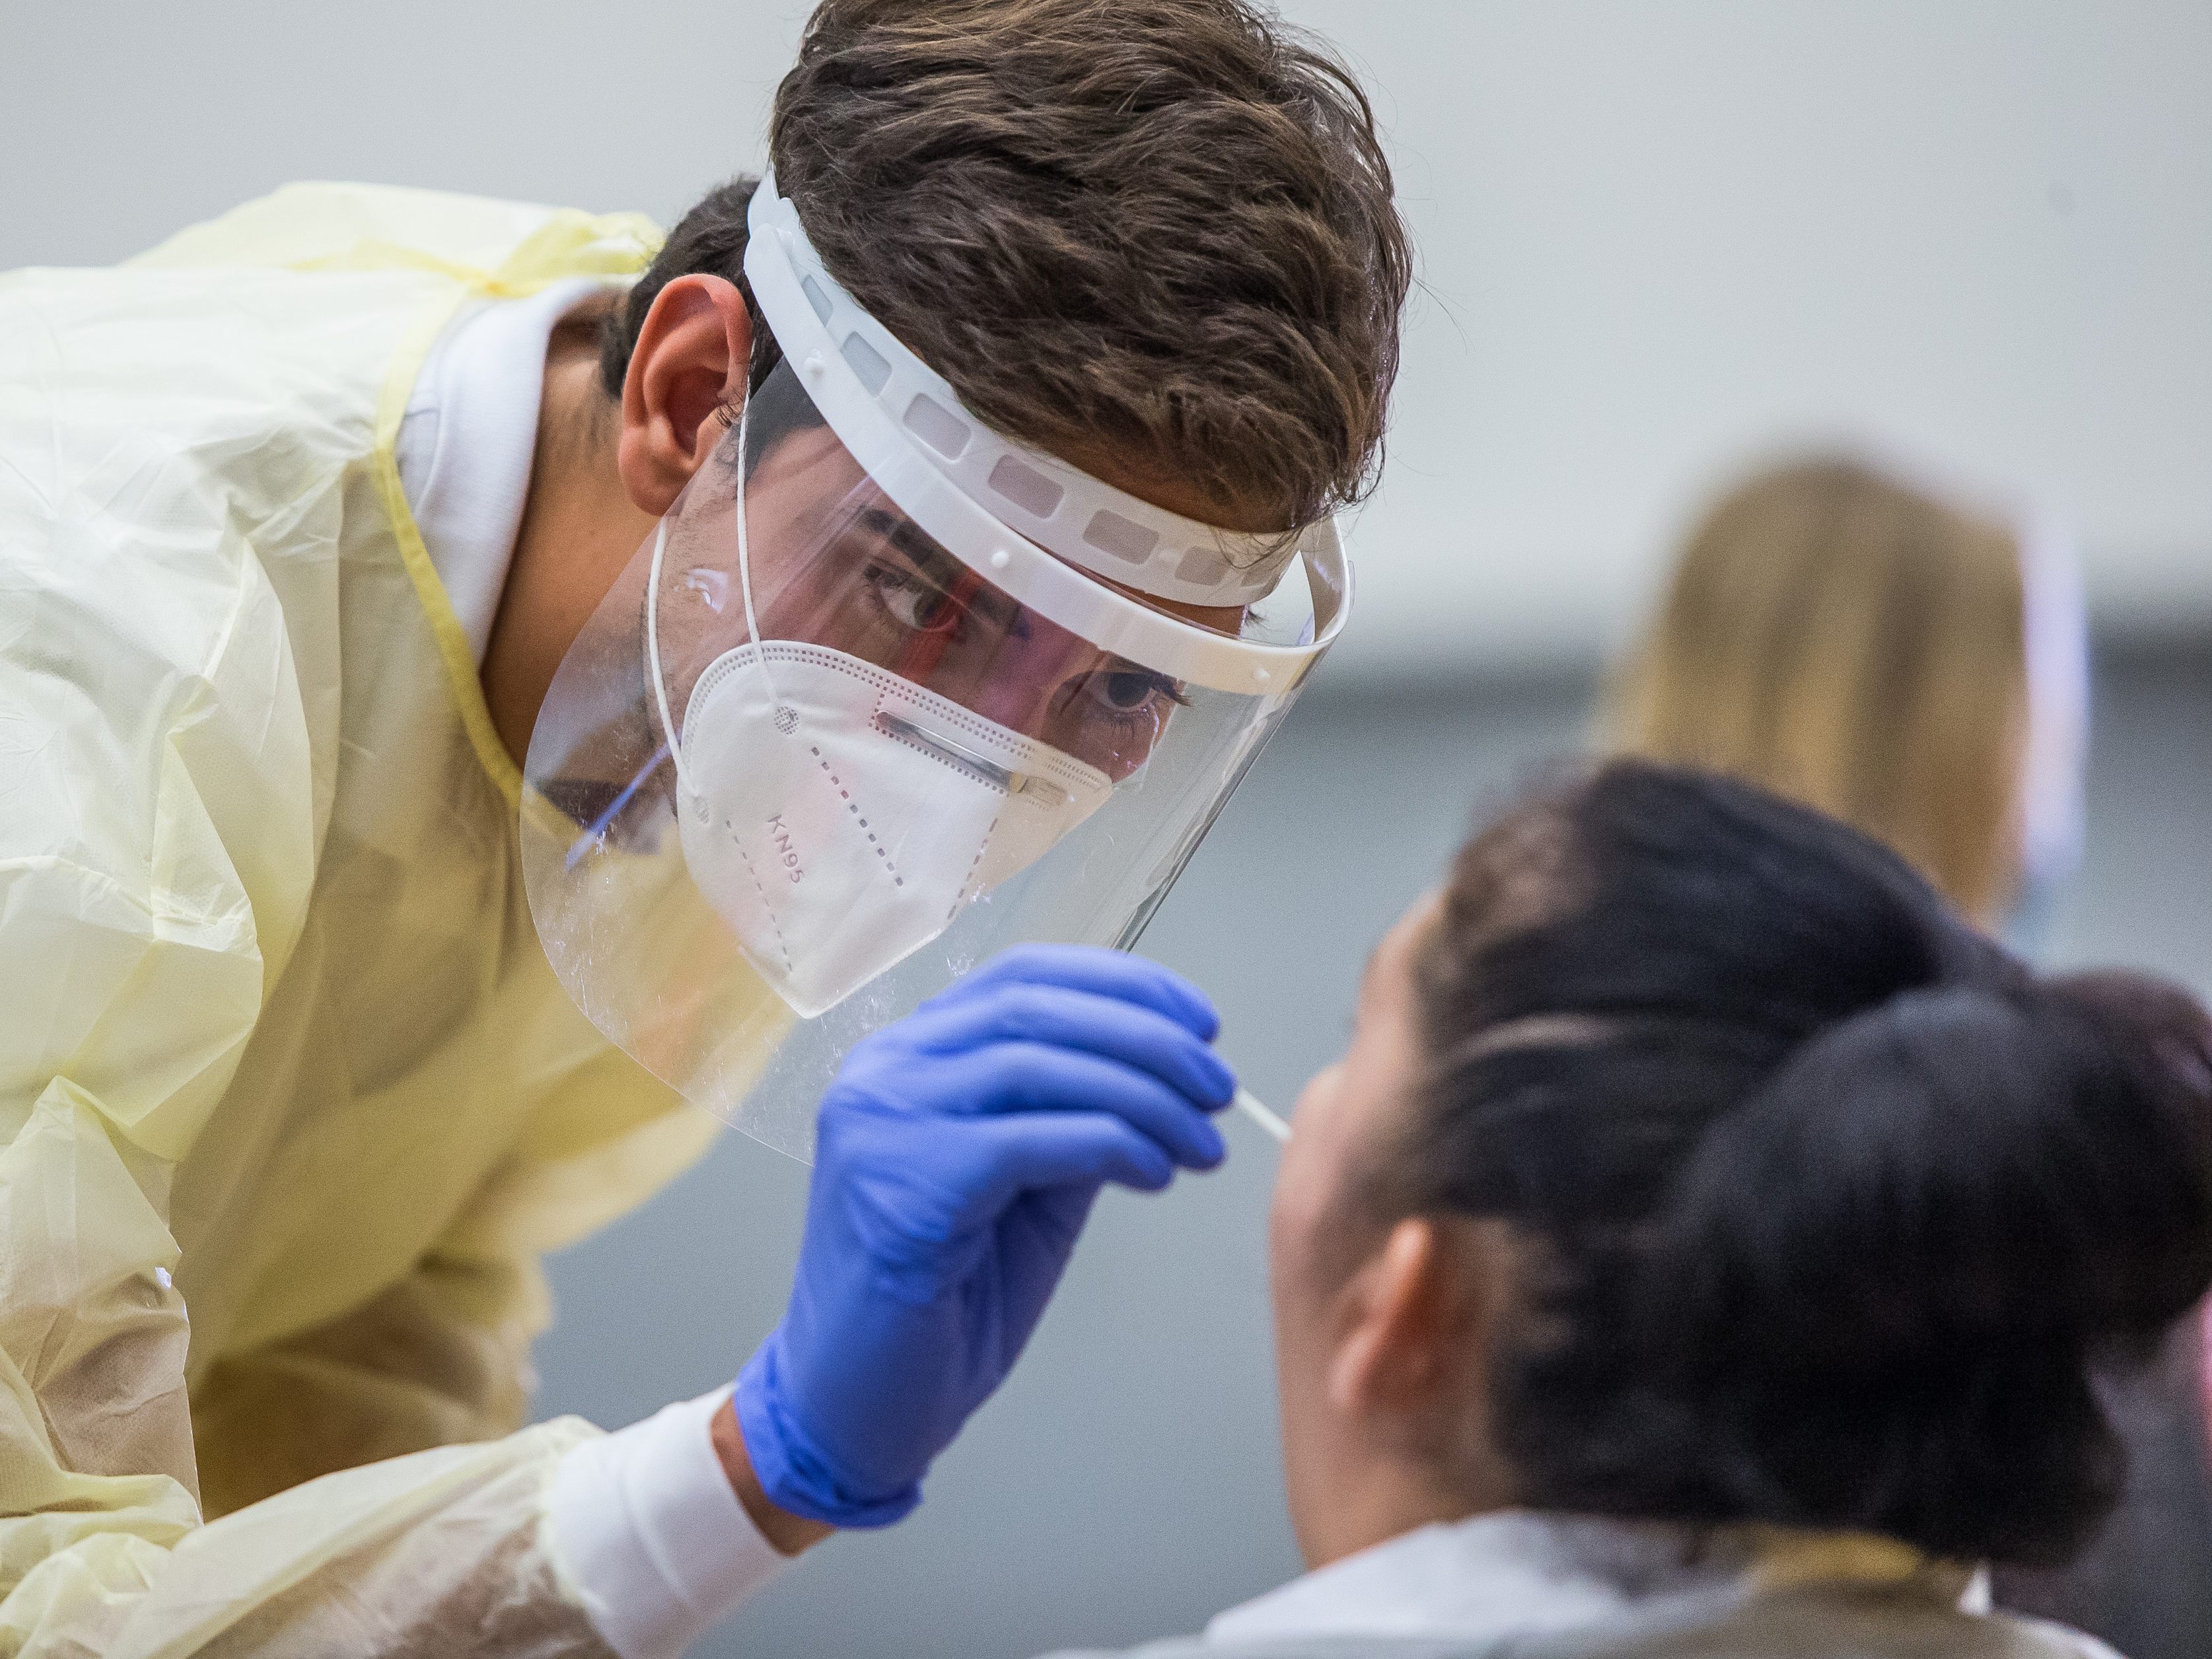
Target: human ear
x=1396, y=1324
x=1415, y=1318
x=692, y=359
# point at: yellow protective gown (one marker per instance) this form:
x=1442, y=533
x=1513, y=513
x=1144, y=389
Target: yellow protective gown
x=279, y=1046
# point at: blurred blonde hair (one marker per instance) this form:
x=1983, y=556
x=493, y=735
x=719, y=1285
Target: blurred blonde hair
x=1842, y=638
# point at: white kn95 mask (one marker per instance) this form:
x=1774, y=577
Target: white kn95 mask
x=838, y=816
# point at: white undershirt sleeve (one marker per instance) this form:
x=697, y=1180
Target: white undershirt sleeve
x=650, y=1537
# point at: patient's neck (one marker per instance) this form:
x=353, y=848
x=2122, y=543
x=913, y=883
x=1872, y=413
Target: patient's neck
x=1385, y=1498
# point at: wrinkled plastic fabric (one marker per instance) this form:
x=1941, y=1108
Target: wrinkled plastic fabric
x=281, y=1047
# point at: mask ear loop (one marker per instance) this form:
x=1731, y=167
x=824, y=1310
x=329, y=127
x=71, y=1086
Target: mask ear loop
x=744, y=584
x=745, y=563
x=652, y=653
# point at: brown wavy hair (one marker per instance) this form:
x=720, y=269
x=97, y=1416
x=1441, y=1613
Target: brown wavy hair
x=1161, y=228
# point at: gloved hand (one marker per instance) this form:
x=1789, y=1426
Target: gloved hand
x=957, y=1156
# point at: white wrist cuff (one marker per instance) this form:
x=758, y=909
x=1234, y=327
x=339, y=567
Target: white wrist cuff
x=651, y=1537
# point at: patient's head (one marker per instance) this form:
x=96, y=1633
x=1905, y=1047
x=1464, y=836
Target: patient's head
x=1690, y=1161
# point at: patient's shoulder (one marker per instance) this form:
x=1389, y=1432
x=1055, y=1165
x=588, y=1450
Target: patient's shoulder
x=1317, y=1647
x=1819, y=1626
x=1830, y=1623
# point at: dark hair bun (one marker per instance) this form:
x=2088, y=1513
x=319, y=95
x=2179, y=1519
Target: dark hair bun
x=1837, y=1215
x=1948, y=1202
x=1960, y=1164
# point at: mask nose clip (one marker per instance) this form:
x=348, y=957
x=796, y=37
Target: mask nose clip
x=959, y=756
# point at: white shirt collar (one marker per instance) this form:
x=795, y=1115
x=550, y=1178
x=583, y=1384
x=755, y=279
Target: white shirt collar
x=1519, y=1573
x=467, y=440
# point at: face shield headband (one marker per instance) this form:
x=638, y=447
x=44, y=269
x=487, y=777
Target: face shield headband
x=840, y=732
x=1083, y=520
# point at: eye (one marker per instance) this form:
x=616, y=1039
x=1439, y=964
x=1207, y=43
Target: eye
x=914, y=604
x=1124, y=693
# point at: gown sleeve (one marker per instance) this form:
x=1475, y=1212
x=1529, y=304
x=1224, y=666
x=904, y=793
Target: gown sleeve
x=157, y=855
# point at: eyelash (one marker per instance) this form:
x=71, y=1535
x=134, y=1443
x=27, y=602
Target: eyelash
x=885, y=579
x=1160, y=685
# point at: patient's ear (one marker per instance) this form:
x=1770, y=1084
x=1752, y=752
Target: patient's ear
x=1416, y=1323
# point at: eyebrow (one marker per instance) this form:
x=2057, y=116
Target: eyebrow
x=939, y=567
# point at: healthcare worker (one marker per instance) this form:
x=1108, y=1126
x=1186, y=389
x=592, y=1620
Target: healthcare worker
x=425, y=617
x=1918, y=666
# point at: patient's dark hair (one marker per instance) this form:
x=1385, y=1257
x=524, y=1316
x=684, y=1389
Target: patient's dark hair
x=1835, y=1210
x=1161, y=227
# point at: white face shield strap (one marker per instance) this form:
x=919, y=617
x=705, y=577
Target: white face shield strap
x=1082, y=520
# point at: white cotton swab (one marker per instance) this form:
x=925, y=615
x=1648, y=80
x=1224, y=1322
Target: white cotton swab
x=1248, y=1104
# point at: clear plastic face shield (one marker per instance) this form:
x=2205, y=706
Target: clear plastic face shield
x=845, y=727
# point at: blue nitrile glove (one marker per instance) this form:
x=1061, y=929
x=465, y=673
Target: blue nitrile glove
x=957, y=1156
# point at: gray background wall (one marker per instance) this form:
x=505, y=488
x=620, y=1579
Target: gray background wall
x=1653, y=236
x=1126, y=1485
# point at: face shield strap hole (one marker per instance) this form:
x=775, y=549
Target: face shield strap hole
x=937, y=426
x=1026, y=488
x=1111, y=533
x=875, y=374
